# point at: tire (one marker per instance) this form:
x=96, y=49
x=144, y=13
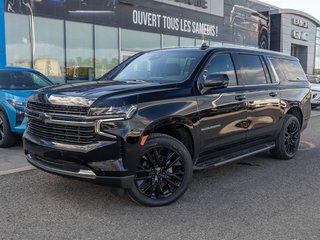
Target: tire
x=163, y=173
x=288, y=141
x=263, y=41
x=7, y=138
x=14, y=6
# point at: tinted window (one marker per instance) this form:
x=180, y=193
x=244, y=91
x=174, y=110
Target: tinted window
x=17, y=80
x=288, y=69
x=222, y=64
x=161, y=66
x=251, y=69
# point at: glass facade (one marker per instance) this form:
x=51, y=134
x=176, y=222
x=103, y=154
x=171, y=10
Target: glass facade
x=106, y=49
x=18, y=40
x=170, y=41
x=79, y=51
x=48, y=50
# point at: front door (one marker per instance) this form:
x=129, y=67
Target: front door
x=222, y=112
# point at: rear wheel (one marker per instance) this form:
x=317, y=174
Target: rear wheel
x=7, y=138
x=288, y=141
x=163, y=173
x=263, y=41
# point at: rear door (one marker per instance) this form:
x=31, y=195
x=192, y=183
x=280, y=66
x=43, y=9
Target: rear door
x=222, y=111
x=262, y=95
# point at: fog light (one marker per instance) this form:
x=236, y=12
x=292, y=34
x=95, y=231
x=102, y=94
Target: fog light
x=107, y=166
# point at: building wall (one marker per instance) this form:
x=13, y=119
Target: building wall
x=306, y=52
x=317, y=55
x=69, y=41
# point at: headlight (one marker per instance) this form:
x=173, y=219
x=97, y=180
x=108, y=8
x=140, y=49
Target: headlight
x=16, y=104
x=124, y=112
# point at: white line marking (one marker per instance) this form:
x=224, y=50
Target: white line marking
x=16, y=170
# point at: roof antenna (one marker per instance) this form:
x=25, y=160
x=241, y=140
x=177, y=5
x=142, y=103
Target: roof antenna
x=204, y=46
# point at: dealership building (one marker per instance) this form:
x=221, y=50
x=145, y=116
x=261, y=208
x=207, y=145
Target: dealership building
x=80, y=40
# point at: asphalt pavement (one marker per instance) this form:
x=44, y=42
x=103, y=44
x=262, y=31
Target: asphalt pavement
x=254, y=198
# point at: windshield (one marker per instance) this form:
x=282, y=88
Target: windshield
x=22, y=80
x=162, y=66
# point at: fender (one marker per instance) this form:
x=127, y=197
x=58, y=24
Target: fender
x=177, y=121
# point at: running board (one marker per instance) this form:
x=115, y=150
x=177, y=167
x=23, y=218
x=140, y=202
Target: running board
x=216, y=162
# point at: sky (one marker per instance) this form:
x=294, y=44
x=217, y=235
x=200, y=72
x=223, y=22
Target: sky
x=309, y=6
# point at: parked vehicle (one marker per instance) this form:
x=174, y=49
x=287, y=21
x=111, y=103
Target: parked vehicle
x=146, y=125
x=315, y=89
x=249, y=26
x=16, y=85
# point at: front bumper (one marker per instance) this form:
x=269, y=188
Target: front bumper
x=98, y=163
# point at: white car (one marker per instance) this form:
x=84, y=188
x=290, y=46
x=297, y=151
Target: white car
x=315, y=100
x=315, y=89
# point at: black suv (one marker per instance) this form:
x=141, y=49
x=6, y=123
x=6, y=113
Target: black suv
x=152, y=120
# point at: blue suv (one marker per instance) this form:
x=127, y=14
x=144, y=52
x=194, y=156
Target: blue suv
x=16, y=85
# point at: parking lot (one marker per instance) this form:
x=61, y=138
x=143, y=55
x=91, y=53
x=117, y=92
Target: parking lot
x=254, y=198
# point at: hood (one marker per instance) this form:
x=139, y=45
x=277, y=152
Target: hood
x=19, y=95
x=85, y=94
x=315, y=87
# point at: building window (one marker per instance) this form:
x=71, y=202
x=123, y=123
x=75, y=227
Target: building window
x=170, y=41
x=199, y=42
x=79, y=44
x=49, y=57
x=106, y=49
x=187, y=42
x=139, y=41
x=18, y=44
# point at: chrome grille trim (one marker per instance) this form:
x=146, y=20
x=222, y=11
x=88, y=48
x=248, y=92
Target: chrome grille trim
x=50, y=124
x=58, y=109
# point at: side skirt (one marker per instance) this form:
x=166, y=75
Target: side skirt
x=216, y=162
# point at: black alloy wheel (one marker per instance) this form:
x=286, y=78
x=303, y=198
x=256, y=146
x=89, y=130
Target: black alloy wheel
x=163, y=173
x=287, y=143
x=1, y=130
x=292, y=135
x=7, y=138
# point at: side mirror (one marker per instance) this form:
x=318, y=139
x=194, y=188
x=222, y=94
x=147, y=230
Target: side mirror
x=216, y=81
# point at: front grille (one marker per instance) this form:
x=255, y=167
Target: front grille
x=58, y=109
x=62, y=133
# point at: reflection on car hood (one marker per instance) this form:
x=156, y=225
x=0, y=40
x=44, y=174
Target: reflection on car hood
x=84, y=94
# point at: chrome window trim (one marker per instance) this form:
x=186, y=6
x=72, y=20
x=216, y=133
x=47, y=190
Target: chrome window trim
x=274, y=70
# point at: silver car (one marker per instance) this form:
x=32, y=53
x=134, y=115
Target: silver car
x=315, y=89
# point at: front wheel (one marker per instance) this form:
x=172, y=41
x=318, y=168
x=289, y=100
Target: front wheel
x=163, y=173
x=7, y=138
x=288, y=141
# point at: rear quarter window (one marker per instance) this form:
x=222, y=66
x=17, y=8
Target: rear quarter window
x=288, y=70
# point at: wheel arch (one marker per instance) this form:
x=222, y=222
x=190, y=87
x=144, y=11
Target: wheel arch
x=296, y=111
x=180, y=128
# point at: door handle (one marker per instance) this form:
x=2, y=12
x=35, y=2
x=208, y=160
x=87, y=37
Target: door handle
x=240, y=97
x=273, y=94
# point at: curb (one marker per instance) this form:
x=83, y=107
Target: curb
x=16, y=170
